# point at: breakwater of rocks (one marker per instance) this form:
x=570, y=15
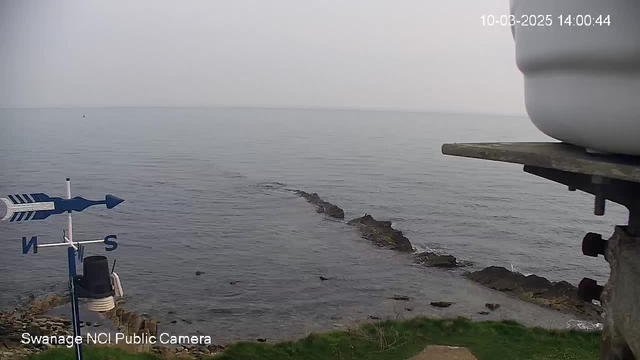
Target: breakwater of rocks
x=560, y=296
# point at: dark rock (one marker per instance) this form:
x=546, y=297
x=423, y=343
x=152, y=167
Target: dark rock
x=333, y=211
x=400, y=297
x=134, y=323
x=484, y=312
x=42, y=305
x=434, y=260
x=187, y=321
x=409, y=309
x=492, y=307
x=88, y=323
x=124, y=318
x=173, y=321
x=560, y=296
x=441, y=304
x=10, y=343
x=171, y=312
x=215, y=348
x=382, y=234
x=199, y=273
x=322, y=206
x=262, y=340
x=165, y=351
x=372, y=317
x=322, y=278
x=111, y=313
x=233, y=282
x=152, y=325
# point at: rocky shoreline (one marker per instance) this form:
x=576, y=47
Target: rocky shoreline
x=560, y=296
x=30, y=318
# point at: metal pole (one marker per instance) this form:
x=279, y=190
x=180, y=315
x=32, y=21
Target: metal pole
x=75, y=318
x=69, y=221
x=71, y=255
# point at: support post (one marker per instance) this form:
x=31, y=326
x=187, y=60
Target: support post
x=75, y=313
x=71, y=255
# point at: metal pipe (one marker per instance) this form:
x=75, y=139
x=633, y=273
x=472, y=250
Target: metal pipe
x=601, y=199
x=69, y=221
x=75, y=312
x=71, y=255
x=76, y=243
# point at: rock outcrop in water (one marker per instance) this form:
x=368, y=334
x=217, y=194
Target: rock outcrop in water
x=322, y=206
x=431, y=259
x=381, y=233
x=560, y=296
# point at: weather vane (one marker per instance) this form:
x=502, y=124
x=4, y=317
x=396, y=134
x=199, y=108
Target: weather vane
x=96, y=284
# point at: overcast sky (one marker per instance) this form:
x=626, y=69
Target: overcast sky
x=390, y=54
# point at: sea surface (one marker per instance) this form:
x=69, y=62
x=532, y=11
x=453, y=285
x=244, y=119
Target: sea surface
x=206, y=190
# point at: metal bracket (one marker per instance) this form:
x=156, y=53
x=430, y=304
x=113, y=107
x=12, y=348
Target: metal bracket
x=626, y=193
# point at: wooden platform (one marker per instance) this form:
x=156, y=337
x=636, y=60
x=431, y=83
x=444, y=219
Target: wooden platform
x=550, y=155
x=444, y=353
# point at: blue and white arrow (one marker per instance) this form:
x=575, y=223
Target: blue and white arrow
x=40, y=206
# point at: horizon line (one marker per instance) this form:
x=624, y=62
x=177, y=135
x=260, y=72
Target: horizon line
x=260, y=107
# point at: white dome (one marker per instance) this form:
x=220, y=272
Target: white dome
x=582, y=83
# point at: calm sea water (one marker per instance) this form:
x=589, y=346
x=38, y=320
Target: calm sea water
x=202, y=190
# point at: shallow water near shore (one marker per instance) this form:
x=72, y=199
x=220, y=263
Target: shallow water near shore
x=205, y=191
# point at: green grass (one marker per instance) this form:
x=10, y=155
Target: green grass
x=399, y=340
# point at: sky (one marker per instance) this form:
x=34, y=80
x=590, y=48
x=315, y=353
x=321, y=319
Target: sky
x=416, y=55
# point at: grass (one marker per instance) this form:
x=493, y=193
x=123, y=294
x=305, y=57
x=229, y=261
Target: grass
x=399, y=340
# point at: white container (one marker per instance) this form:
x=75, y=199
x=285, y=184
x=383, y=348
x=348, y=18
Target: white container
x=582, y=83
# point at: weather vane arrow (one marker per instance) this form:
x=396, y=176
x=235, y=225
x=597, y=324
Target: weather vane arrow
x=40, y=206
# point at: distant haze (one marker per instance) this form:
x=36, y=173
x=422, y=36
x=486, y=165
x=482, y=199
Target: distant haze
x=372, y=54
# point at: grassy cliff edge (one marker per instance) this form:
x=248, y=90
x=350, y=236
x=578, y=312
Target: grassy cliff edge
x=398, y=340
